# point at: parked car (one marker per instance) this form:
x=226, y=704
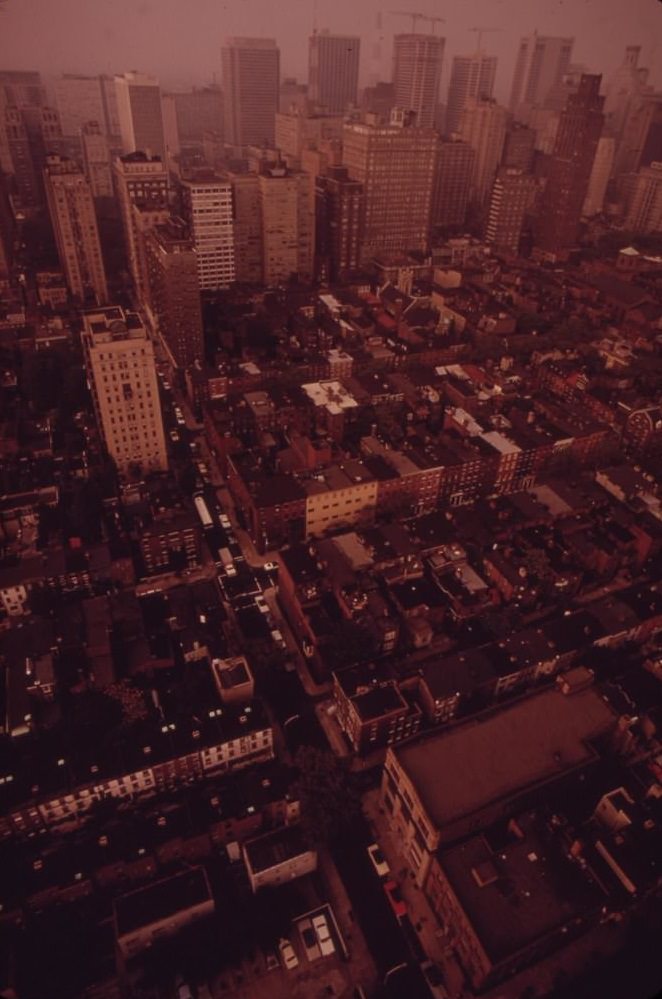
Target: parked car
x=321, y=928
x=288, y=957
x=278, y=640
x=434, y=979
x=270, y=566
x=261, y=604
x=309, y=938
x=394, y=895
x=174, y=436
x=378, y=861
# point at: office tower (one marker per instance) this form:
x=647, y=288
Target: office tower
x=121, y=371
x=454, y=168
x=395, y=163
x=417, y=61
x=145, y=219
x=22, y=88
x=378, y=100
x=600, y=174
x=173, y=298
x=483, y=127
x=512, y=198
x=140, y=180
x=644, y=200
x=287, y=225
x=519, y=146
x=471, y=76
x=293, y=96
x=251, y=78
x=111, y=112
x=625, y=87
x=247, y=227
x=296, y=132
x=207, y=206
x=338, y=209
x=641, y=139
x=198, y=111
x=71, y=208
x=570, y=169
x=541, y=63
x=96, y=160
x=139, y=113
x=333, y=70
x=25, y=181
x=42, y=125
x=79, y=99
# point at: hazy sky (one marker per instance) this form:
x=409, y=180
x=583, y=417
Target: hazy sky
x=180, y=40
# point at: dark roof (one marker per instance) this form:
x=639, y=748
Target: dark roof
x=159, y=901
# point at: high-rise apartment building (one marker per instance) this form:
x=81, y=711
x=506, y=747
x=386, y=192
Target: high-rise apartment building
x=251, y=78
x=287, y=225
x=207, y=206
x=173, y=292
x=338, y=207
x=247, y=227
x=71, y=209
x=483, y=127
x=471, y=76
x=512, y=198
x=454, y=169
x=121, y=370
x=333, y=70
x=577, y=138
x=395, y=163
x=542, y=61
x=140, y=180
x=600, y=174
x=96, y=160
x=79, y=99
x=417, y=62
x=519, y=146
x=644, y=200
x=139, y=113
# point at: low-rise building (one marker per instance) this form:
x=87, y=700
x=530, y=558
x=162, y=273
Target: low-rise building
x=278, y=857
x=162, y=909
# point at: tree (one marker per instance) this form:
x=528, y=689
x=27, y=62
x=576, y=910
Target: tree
x=330, y=800
x=130, y=699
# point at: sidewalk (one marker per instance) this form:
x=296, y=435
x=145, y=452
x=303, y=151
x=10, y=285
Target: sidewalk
x=431, y=935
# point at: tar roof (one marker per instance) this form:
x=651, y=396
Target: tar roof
x=459, y=772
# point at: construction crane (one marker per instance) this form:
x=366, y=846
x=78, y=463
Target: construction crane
x=417, y=16
x=480, y=32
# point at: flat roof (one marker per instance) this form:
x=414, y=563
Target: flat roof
x=159, y=901
x=461, y=771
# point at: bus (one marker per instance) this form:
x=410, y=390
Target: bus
x=203, y=512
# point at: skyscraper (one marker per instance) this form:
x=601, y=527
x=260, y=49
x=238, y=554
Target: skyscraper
x=333, y=70
x=395, y=164
x=142, y=181
x=623, y=89
x=519, y=146
x=644, y=200
x=471, y=76
x=19, y=158
x=287, y=224
x=338, y=207
x=207, y=203
x=174, y=294
x=251, y=78
x=483, y=127
x=96, y=160
x=570, y=168
x=247, y=227
x=119, y=358
x=139, y=114
x=417, y=61
x=296, y=132
x=71, y=209
x=79, y=99
x=600, y=174
x=512, y=196
x=541, y=62
x=455, y=164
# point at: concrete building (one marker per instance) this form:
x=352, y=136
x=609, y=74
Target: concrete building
x=519, y=146
x=512, y=197
x=139, y=113
x=161, y=909
x=417, y=63
x=471, y=76
x=454, y=169
x=234, y=680
x=338, y=207
x=542, y=60
x=395, y=164
x=141, y=181
x=247, y=227
x=198, y=111
x=296, y=132
x=371, y=712
x=173, y=299
x=603, y=162
x=71, y=209
x=79, y=99
x=333, y=70
x=22, y=88
x=207, y=206
x=172, y=542
x=121, y=370
x=641, y=139
x=18, y=158
x=278, y=857
x=570, y=169
x=483, y=127
x=96, y=160
x=287, y=225
x=627, y=84
x=644, y=200
x=251, y=78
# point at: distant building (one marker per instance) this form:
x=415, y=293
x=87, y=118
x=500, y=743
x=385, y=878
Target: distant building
x=644, y=200
x=207, y=203
x=287, y=225
x=378, y=100
x=471, y=76
x=417, y=64
x=251, y=78
x=173, y=296
x=247, y=227
x=333, y=70
x=600, y=174
x=338, y=207
x=542, y=60
x=119, y=357
x=483, y=127
x=139, y=112
x=74, y=222
x=512, y=197
x=96, y=160
x=296, y=132
x=79, y=99
x=198, y=111
x=454, y=169
x=519, y=147
x=141, y=181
